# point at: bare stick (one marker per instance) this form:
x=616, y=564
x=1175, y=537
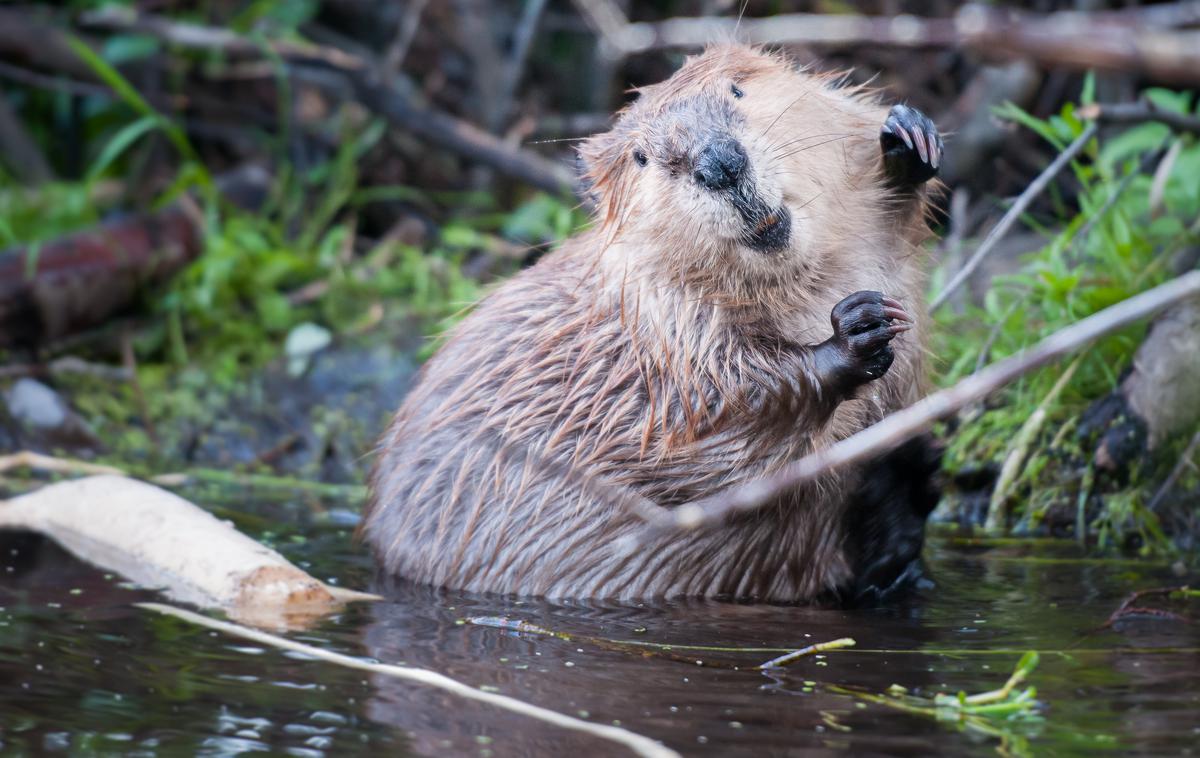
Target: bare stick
x=1133, y=40
x=1185, y=461
x=514, y=68
x=199, y=37
x=409, y=23
x=373, y=87
x=916, y=418
x=38, y=462
x=1000, y=229
x=820, y=647
x=1018, y=451
x=636, y=743
x=1139, y=113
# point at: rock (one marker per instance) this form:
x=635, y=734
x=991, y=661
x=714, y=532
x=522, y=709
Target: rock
x=35, y=405
x=43, y=418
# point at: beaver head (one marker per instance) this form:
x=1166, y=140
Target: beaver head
x=718, y=174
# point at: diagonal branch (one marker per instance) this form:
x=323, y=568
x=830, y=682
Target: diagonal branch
x=911, y=421
x=1000, y=229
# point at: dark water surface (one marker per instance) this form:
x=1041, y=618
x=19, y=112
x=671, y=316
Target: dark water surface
x=81, y=670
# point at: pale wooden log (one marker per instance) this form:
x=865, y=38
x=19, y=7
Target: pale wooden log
x=160, y=540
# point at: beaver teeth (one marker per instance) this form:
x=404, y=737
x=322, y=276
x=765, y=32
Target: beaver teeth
x=766, y=223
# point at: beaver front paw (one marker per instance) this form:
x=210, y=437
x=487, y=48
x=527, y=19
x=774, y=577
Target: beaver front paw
x=912, y=147
x=864, y=325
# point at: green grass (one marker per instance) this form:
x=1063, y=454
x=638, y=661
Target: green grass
x=1089, y=262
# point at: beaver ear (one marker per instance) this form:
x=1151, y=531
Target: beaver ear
x=592, y=162
x=585, y=183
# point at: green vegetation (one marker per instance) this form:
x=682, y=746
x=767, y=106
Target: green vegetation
x=1121, y=240
x=298, y=265
x=1008, y=714
x=264, y=274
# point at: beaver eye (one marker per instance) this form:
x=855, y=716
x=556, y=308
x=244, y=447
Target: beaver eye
x=737, y=91
x=640, y=157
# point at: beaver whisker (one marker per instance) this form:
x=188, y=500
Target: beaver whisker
x=771, y=125
x=809, y=136
x=809, y=147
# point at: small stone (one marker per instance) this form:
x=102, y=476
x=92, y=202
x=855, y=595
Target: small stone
x=34, y=404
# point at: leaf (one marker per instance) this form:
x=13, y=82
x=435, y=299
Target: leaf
x=1012, y=112
x=120, y=142
x=123, y=48
x=1027, y=664
x=1168, y=100
x=126, y=92
x=1088, y=95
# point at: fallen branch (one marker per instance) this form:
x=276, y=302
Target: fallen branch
x=1001, y=228
x=1129, y=41
x=210, y=38
x=636, y=743
x=39, y=462
x=443, y=130
x=160, y=540
x=917, y=418
x=67, y=285
x=373, y=87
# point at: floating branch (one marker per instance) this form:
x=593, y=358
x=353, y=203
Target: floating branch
x=918, y=417
x=796, y=655
x=636, y=743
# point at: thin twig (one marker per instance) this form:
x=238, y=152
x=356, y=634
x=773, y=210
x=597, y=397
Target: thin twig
x=409, y=23
x=1077, y=241
x=636, y=743
x=372, y=87
x=514, y=68
x=38, y=462
x=1139, y=113
x=51, y=83
x=1000, y=229
x=1185, y=461
x=916, y=418
x=1018, y=452
x=208, y=38
x=820, y=647
x=129, y=361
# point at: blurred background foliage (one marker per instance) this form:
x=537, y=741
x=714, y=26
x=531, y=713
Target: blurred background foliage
x=282, y=345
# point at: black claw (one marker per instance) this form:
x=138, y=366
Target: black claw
x=912, y=147
x=864, y=325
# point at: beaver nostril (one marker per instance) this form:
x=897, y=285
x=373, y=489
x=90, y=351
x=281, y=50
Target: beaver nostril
x=720, y=164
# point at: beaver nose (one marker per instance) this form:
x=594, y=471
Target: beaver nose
x=720, y=164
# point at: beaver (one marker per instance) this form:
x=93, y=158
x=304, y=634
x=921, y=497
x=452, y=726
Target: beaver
x=755, y=254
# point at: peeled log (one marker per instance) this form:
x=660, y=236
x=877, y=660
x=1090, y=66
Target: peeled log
x=1163, y=388
x=1160, y=396
x=159, y=540
x=70, y=284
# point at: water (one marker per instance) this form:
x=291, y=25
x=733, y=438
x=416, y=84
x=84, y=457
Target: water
x=81, y=670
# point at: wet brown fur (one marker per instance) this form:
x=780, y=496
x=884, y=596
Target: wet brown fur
x=653, y=353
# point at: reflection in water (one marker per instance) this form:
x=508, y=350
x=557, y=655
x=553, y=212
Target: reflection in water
x=80, y=670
